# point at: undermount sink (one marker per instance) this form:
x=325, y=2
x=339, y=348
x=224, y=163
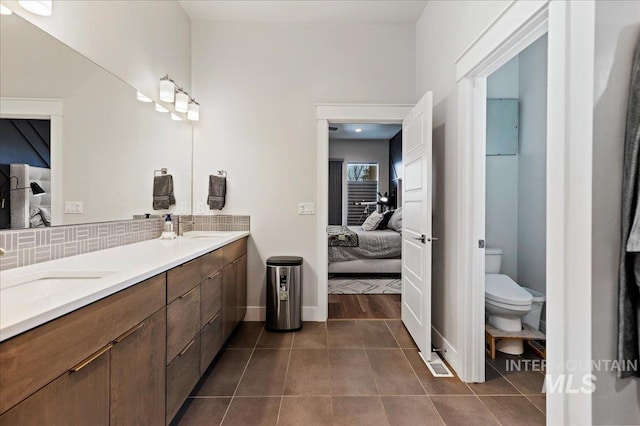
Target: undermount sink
x=208, y=235
x=47, y=283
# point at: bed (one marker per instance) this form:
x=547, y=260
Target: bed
x=353, y=250
x=27, y=210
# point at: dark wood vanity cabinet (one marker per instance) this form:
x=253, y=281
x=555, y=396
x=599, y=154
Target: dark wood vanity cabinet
x=130, y=358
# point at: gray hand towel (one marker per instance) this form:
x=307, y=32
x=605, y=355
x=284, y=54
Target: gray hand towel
x=217, y=192
x=163, y=192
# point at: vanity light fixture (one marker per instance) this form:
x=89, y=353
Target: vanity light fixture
x=167, y=89
x=39, y=7
x=193, y=114
x=4, y=10
x=160, y=108
x=142, y=98
x=182, y=101
x=175, y=117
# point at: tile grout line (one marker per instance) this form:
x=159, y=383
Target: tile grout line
x=326, y=329
x=284, y=383
x=539, y=409
x=242, y=375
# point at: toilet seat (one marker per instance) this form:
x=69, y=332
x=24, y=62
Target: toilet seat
x=502, y=289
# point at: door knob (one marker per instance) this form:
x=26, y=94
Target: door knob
x=421, y=238
x=432, y=239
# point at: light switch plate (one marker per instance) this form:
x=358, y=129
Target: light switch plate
x=306, y=208
x=73, y=207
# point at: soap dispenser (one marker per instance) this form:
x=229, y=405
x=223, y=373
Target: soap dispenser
x=167, y=233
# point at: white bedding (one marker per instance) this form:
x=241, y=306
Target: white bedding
x=383, y=244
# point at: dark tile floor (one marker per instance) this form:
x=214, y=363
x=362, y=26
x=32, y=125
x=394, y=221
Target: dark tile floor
x=351, y=373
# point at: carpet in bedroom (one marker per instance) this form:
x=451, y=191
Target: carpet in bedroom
x=364, y=285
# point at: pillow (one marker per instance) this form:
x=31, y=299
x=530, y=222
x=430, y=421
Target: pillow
x=385, y=220
x=372, y=221
x=395, y=222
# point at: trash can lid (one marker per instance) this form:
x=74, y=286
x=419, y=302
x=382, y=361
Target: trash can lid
x=284, y=261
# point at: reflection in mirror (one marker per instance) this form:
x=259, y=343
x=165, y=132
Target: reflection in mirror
x=79, y=133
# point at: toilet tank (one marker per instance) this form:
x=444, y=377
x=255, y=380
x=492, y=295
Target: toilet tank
x=492, y=260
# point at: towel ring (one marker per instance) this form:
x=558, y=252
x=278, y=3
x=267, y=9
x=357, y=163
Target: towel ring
x=162, y=171
x=222, y=172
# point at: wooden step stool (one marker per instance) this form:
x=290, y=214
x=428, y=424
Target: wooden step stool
x=528, y=334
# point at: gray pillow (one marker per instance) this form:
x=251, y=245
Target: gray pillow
x=395, y=222
x=372, y=221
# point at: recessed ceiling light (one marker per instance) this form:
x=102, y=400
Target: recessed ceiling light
x=358, y=130
x=4, y=10
x=142, y=98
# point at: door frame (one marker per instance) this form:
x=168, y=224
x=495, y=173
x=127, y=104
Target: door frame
x=571, y=33
x=50, y=109
x=338, y=113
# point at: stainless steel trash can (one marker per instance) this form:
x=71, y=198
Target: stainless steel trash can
x=284, y=293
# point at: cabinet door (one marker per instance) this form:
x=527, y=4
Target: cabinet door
x=78, y=397
x=229, y=300
x=241, y=283
x=138, y=374
x=182, y=375
x=210, y=298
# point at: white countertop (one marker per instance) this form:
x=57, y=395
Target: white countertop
x=67, y=284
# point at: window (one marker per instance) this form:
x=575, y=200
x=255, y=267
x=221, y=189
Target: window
x=362, y=186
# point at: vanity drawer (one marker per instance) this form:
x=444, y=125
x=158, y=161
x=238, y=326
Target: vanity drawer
x=183, y=278
x=182, y=375
x=234, y=250
x=34, y=358
x=211, y=263
x=210, y=342
x=183, y=322
x=210, y=298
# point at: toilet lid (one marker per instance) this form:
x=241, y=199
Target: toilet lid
x=501, y=288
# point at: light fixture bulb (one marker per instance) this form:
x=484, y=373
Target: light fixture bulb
x=160, y=108
x=142, y=98
x=358, y=130
x=194, y=111
x=167, y=90
x=4, y=10
x=182, y=101
x=175, y=117
x=39, y=7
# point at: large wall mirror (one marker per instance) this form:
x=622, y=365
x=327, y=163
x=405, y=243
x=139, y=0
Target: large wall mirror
x=75, y=144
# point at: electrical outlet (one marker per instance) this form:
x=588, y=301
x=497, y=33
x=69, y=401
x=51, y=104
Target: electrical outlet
x=306, y=208
x=200, y=207
x=73, y=207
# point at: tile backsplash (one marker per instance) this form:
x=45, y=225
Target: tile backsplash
x=28, y=246
x=213, y=223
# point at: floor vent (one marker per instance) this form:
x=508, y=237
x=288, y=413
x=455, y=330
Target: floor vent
x=437, y=367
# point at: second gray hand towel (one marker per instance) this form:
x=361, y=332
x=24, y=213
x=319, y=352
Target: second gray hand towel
x=217, y=192
x=163, y=192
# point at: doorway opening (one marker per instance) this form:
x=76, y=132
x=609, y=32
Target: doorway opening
x=364, y=211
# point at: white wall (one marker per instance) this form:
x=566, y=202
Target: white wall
x=532, y=166
x=112, y=143
x=138, y=41
x=444, y=30
x=502, y=180
x=361, y=151
x=617, y=30
x=260, y=83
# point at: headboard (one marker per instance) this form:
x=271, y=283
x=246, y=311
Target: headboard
x=23, y=200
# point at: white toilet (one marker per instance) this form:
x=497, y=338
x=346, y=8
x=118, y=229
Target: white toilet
x=505, y=301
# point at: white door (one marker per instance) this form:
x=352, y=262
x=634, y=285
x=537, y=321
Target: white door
x=416, y=224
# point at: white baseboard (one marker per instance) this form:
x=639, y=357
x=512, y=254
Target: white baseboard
x=450, y=354
x=259, y=313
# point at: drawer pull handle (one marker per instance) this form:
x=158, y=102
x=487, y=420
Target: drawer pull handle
x=129, y=333
x=83, y=364
x=186, y=348
x=212, y=319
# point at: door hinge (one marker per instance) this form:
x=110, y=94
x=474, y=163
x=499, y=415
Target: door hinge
x=480, y=243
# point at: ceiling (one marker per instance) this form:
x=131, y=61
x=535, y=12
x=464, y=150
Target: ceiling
x=369, y=131
x=305, y=11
